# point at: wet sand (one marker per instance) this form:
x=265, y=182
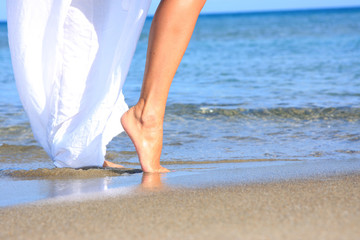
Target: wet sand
x=325, y=208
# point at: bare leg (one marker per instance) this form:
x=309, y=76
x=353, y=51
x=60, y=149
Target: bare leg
x=170, y=33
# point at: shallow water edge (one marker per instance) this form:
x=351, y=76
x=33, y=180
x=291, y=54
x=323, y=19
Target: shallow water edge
x=79, y=186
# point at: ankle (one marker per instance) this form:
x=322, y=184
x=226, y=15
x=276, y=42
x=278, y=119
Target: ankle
x=149, y=117
x=151, y=120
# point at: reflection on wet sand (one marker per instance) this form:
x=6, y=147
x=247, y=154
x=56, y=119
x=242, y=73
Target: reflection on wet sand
x=152, y=182
x=61, y=188
x=80, y=184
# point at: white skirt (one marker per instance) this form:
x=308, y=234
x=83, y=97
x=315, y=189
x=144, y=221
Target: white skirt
x=70, y=61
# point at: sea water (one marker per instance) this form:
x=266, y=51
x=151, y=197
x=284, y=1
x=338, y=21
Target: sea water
x=255, y=91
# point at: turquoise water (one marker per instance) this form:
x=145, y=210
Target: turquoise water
x=253, y=90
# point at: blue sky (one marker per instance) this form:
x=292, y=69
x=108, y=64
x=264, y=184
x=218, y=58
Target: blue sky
x=214, y=6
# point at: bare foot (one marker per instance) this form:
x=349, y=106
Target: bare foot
x=111, y=164
x=147, y=139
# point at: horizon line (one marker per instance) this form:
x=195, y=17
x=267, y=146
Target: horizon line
x=311, y=9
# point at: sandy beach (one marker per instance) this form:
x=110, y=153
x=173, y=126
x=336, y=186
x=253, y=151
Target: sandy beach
x=324, y=208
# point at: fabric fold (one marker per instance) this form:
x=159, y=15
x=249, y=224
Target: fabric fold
x=70, y=61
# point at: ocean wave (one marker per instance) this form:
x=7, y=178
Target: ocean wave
x=218, y=161
x=214, y=111
x=19, y=154
x=21, y=130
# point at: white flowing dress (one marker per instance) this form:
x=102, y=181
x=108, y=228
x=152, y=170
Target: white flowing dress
x=70, y=61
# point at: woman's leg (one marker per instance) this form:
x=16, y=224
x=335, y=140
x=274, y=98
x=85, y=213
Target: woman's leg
x=170, y=33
